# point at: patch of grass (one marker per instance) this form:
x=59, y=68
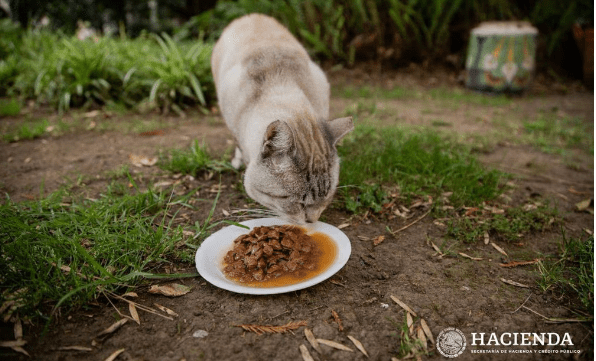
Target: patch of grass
x=419, y=163
x=65, y=254
x=369, y=92
x=9, y=107
x=27, y=131
x=571, y=271
x=457, y=96
x=192, y=161
x=554, y=134
x=509, y=226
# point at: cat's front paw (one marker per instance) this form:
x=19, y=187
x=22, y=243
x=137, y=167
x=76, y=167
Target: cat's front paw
x=237, y=161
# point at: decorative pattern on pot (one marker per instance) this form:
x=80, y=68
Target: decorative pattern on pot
x=501, y=57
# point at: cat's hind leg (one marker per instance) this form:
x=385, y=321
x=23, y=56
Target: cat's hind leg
x=237, y=161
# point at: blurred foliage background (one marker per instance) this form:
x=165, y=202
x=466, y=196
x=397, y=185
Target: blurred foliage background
x=72, y=53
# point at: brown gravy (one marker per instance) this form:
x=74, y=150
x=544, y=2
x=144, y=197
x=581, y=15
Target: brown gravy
x=325, y=256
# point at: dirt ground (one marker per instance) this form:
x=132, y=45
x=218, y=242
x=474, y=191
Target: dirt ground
x=445, y=291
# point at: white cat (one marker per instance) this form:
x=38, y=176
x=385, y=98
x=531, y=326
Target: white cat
x=275, y=101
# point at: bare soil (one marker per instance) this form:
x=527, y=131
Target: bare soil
x=449, y=291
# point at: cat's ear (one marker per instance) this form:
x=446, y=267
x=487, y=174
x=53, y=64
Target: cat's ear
x=339, y=127
x=278, y=139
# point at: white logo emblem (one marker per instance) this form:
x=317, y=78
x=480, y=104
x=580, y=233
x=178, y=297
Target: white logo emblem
x=451, y=342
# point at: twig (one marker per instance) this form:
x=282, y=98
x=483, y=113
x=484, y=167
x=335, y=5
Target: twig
x=138, y=305
x=556, y=320
x=523, y=303
x=409, y=225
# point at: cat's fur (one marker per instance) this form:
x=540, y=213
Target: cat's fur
x=275, y=101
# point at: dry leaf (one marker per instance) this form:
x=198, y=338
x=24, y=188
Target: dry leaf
x=486, y=238
x=115, y=354
x=259, y=329
x=378, y=240
x=130, y=294
x=91, y=114
x=436, y=248
x=312, y=340
x=410, y=322
x=18, y=329
x=21, y=350
x=337, y=320
x=225, y=213
x=334, y=344
x=363, y=238
x=171, y=289
x=75, y=348
x=421, y=337
x=520, y=263
x=358, y=345
x=585, y=205
x=166, y=310
x=15, y=343
x=305, y=354
x=403, y=305
x=140, y=161
x=113, y=327
x=470, y=257
x=344, y=225
x=499, y=249
x=427, y=331
x=513, y=283
x=133, y=312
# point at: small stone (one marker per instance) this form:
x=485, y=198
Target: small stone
x=200, y=334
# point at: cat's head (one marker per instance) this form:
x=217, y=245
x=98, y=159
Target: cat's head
x=297, y=171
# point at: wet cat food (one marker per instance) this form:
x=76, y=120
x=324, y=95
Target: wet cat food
x=270, y=252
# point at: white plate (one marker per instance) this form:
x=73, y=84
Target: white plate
x=210, y=255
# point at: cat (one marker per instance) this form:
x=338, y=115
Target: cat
x=275, y=101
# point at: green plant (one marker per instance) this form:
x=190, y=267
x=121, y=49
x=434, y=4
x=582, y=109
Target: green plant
x=9, y=107
x=57, y=254
x=571, y=270
x=508, y=226
x=192, y=161
x=27, y=131
x=419, y=163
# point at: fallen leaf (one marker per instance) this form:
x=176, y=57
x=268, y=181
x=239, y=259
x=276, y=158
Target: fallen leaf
x=513, y=283
x=305, y=354
x=261, y=329
x=113, y=327
x=18, y=329
x=91, y=114
x=410, y=323
x=501, y=250
x=344, y=225
x=378, y=240
x=520, y=263
x=363, y=238
x=358, y=345
x=133, y=312
x=312, y=340
x=225, y=213
x=170, y=290
x=486, y=238
x=140, y=161
x=470, y=257
x=337, y=320
x=403, y=305
x=75, y=348
x=15, y=343
x=130, y=294
x=427, y=331
x=166, y=310
x=421, y=337
x=334, y=344
x=115, y=354
x=586, y=206
x=436, y=248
